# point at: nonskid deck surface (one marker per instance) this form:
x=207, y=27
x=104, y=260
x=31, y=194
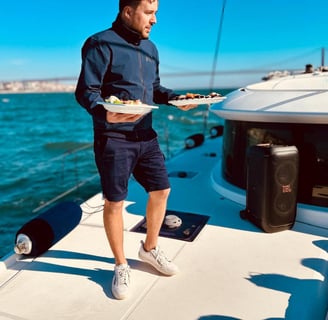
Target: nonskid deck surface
x=232, y=270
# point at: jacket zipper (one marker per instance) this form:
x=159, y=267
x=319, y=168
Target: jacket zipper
x=141, y=77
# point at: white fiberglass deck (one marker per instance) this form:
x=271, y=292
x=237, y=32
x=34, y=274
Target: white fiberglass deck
x=232, y=270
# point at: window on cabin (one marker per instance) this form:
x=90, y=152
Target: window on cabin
x=311, y=141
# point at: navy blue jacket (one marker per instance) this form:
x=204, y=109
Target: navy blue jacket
x=117, y=62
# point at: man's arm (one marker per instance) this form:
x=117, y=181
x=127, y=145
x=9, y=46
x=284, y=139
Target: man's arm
x=95, y=61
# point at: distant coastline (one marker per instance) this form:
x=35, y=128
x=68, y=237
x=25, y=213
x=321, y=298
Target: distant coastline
x=35, y=86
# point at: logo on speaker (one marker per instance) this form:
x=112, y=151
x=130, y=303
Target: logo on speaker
x=287, y=188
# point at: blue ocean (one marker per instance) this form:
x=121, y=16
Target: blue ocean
x=46, y=152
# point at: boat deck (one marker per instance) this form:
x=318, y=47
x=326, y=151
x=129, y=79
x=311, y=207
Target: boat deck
x=232, y=270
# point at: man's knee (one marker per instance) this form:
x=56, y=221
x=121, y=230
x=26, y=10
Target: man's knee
x=160, y=194
x=112, y=207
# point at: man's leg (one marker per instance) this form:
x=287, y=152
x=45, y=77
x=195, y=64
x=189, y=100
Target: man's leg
x=155, y=212
x=113, y=223
x=113, y=165
x=149, y=251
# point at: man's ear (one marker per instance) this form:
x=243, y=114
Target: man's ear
x=127, y=13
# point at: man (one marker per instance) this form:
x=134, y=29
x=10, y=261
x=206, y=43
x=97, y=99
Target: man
x=121, y=61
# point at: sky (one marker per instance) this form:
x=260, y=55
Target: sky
x=43, y=39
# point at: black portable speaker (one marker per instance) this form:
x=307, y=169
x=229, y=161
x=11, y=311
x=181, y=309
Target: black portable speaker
x=272, y=179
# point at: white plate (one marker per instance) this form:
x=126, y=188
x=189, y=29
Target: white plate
x=128, y=108
x=183, y=102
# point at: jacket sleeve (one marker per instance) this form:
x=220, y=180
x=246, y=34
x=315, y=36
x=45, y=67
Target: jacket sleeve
x=162, y=95
x=95, y=61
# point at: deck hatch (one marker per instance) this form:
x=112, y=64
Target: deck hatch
x=191, y=225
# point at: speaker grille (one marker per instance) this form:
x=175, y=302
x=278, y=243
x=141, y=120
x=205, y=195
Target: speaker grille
x=285, y=195
x=286, y=172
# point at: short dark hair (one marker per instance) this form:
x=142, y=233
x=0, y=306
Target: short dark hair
x=131, y=3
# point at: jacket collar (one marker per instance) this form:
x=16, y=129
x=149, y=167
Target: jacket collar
x=125, y=32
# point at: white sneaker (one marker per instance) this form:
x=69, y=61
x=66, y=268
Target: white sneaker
x=158, y=260
x=121, y=281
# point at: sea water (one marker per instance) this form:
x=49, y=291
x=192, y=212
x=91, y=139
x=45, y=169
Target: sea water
x=46, y=152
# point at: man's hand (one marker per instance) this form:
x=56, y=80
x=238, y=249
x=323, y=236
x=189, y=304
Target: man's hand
x=114, y=117
x=187, y=107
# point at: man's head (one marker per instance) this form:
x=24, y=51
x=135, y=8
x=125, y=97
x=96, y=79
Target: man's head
x=139, y=15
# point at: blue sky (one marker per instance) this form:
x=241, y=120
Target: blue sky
x=42, y=39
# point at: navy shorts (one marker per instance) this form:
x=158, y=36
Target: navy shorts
x=117, y=159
